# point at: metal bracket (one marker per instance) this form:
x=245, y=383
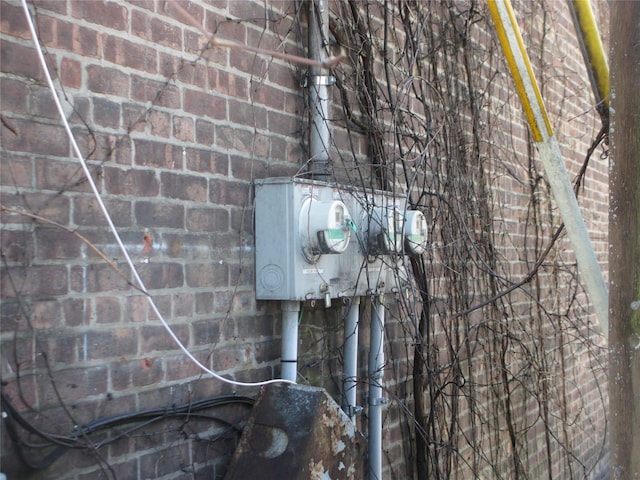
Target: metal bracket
x=317, y=80
x=373, y=402
x=353, y=410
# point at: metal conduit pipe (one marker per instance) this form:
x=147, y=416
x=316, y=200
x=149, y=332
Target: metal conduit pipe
x=592, y=51
x=351, y=358
x=318, y=93
x=289, y=357
x=376, y=400
x=517, y=59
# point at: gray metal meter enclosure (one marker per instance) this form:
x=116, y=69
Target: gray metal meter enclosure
x=321, y=241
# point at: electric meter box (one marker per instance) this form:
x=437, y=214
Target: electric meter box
x=321, y=241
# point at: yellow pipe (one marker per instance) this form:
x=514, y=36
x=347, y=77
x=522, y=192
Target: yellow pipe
x=520, y=67
x=593, y=50
x=556, y=172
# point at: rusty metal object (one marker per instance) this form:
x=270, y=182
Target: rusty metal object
x=298, y=432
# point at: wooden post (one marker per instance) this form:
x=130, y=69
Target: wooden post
x=624, y=242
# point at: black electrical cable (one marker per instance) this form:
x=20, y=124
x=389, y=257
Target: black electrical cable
x=13, y=419
x=175, y=410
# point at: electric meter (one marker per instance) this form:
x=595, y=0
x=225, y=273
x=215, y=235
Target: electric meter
x=385, y=230
x=324, y=226
x=415, y=232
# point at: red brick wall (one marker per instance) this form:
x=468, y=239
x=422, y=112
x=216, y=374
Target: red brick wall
x=174, y=132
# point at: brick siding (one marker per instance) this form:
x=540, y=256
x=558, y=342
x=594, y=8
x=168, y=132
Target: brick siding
x=174, y=133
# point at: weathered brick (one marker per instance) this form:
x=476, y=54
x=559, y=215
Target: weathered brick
x=133, y=182
x=192, y=73
x=162, y=94
x=50, y=206
x=244, y=302
x=225, y=83
x=284, y=76
x=23, y=394
x=86, y=212
x=225, y=137
x=101, y=12
x=232, y=357
x=105, y=344
x=149, y=372
x=241, y=220
x=155, y=30
x=111, y=148
x=71, y=73
x=154, y=338
x=203, y=302
x=55, y=244
x=103, y=278
x=41, y=103
x=20, y=60
x=205, y=104
x=13, y=21
x=183, y=305
x=14, y=98
x=247, y=114
x=77, y=311
x=248, y=169
x=171, y=460
x=254, y=327
x=282, y=124
x=106, y=113
x=248, y=10
x=47, y=29
x=122, y=469
x=207, y=275
x=57, y=6
x=16, y=170
x=197, y=44
x=205, y=332
x=17, y=246
x=109, y=81
x=204, y=132
x=134, y=117
x=78, y=383
x=202, y=219
x=161, y=275
x=11, y=316
x=135, y=308
x=129, y=54
x=267, y=351
x=183, y=129
x=160, y=123
x=163, y=304
x=33, y=137
x=206, y=161
x=181, y=368
x=271, y=97
x=228, y=193
x=157, y=214
x=60, y=176
x=157, y=154
x=86, y=41
x=108, y=310
x=183, y=187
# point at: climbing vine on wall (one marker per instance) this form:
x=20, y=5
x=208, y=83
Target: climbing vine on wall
x=505, y=371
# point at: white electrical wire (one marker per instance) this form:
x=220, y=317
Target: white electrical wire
x=105, y=212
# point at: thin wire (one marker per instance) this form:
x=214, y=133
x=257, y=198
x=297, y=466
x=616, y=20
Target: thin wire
x=105, y=212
